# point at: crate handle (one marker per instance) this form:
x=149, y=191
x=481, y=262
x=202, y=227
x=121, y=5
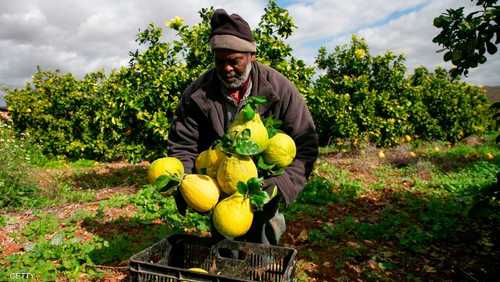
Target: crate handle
x=226, y=253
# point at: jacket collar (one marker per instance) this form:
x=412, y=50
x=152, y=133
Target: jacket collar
x=261, y=86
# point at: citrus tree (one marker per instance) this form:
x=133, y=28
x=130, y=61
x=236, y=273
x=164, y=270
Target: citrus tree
x=467, y=38
x=372, y=98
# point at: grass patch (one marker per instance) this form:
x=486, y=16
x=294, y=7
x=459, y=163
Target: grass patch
x=17, y=157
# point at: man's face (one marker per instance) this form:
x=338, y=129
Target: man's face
x=233, y=68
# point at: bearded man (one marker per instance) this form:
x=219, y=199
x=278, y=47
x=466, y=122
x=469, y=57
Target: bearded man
x=210, y=103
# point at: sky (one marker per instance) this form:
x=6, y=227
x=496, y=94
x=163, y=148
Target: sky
x=84, y=36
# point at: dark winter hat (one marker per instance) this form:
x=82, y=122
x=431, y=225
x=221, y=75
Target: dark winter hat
x=231, y=32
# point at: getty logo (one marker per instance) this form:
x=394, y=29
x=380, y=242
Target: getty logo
x=21, y=275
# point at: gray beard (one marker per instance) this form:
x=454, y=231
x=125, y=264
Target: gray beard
x=239, y=80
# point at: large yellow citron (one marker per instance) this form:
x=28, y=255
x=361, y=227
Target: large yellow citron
x=234, y=169
x=165, y=166
x=258, y=132
x=200, y=192
x=208, y=161
x=281, y=150
x=233, y=216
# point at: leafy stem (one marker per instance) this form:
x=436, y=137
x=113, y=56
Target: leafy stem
x=165, y=184
x=241, y=144
x=253, y=190
x=251, y=104
x=272, y=125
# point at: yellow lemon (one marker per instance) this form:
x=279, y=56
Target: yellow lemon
x=200, y=192
x=197, y=269
x=208, y=161
x=407, y=138
x=233, y=216
x=258, y=132
x=281, y=150
x=489, y=156
x=413, y=154
x=381, y=154
x=233, y=169
x=360, y=53
x=165, y=166
x=175, y=23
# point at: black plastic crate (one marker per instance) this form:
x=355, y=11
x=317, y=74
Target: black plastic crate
x=226, y=260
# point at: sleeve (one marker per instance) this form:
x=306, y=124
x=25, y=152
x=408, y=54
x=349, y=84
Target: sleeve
x=183, y=135
x=298, y=123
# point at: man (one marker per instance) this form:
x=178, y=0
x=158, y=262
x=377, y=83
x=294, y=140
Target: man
x=210, y=103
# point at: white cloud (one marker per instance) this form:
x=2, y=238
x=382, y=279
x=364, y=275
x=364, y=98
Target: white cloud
x=410, y=34
x=327, y=18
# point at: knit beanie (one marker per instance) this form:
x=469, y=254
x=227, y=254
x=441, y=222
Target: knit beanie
x=231, y=32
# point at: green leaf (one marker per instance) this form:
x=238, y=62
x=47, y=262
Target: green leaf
x=166, y=182
x=248, y=113
x=447, y=56
x=246, y=148
x=226, y=143
x=255, y=101
x=261, y=163
x=242, y=188
x=258, y=200
x=254, y=185
x=492, y=49
x=272, y=125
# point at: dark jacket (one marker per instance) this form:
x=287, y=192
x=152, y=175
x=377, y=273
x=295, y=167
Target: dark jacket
x=200, y=120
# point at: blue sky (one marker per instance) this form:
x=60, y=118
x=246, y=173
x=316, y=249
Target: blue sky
x=83, y=36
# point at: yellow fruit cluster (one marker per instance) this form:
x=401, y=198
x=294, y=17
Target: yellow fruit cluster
x=218, y=172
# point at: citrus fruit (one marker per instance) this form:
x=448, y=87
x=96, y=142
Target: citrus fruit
x=165, y=166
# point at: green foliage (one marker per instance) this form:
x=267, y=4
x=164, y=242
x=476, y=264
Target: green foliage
x=3, y=220
x=19, y=189
x=46, y=224
x=52, y=250
x=444, y=109
x=16, y=158
x=363, y=97
x=466, y=39
x=274, y=28
x=153, y=205
x=359, y=96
